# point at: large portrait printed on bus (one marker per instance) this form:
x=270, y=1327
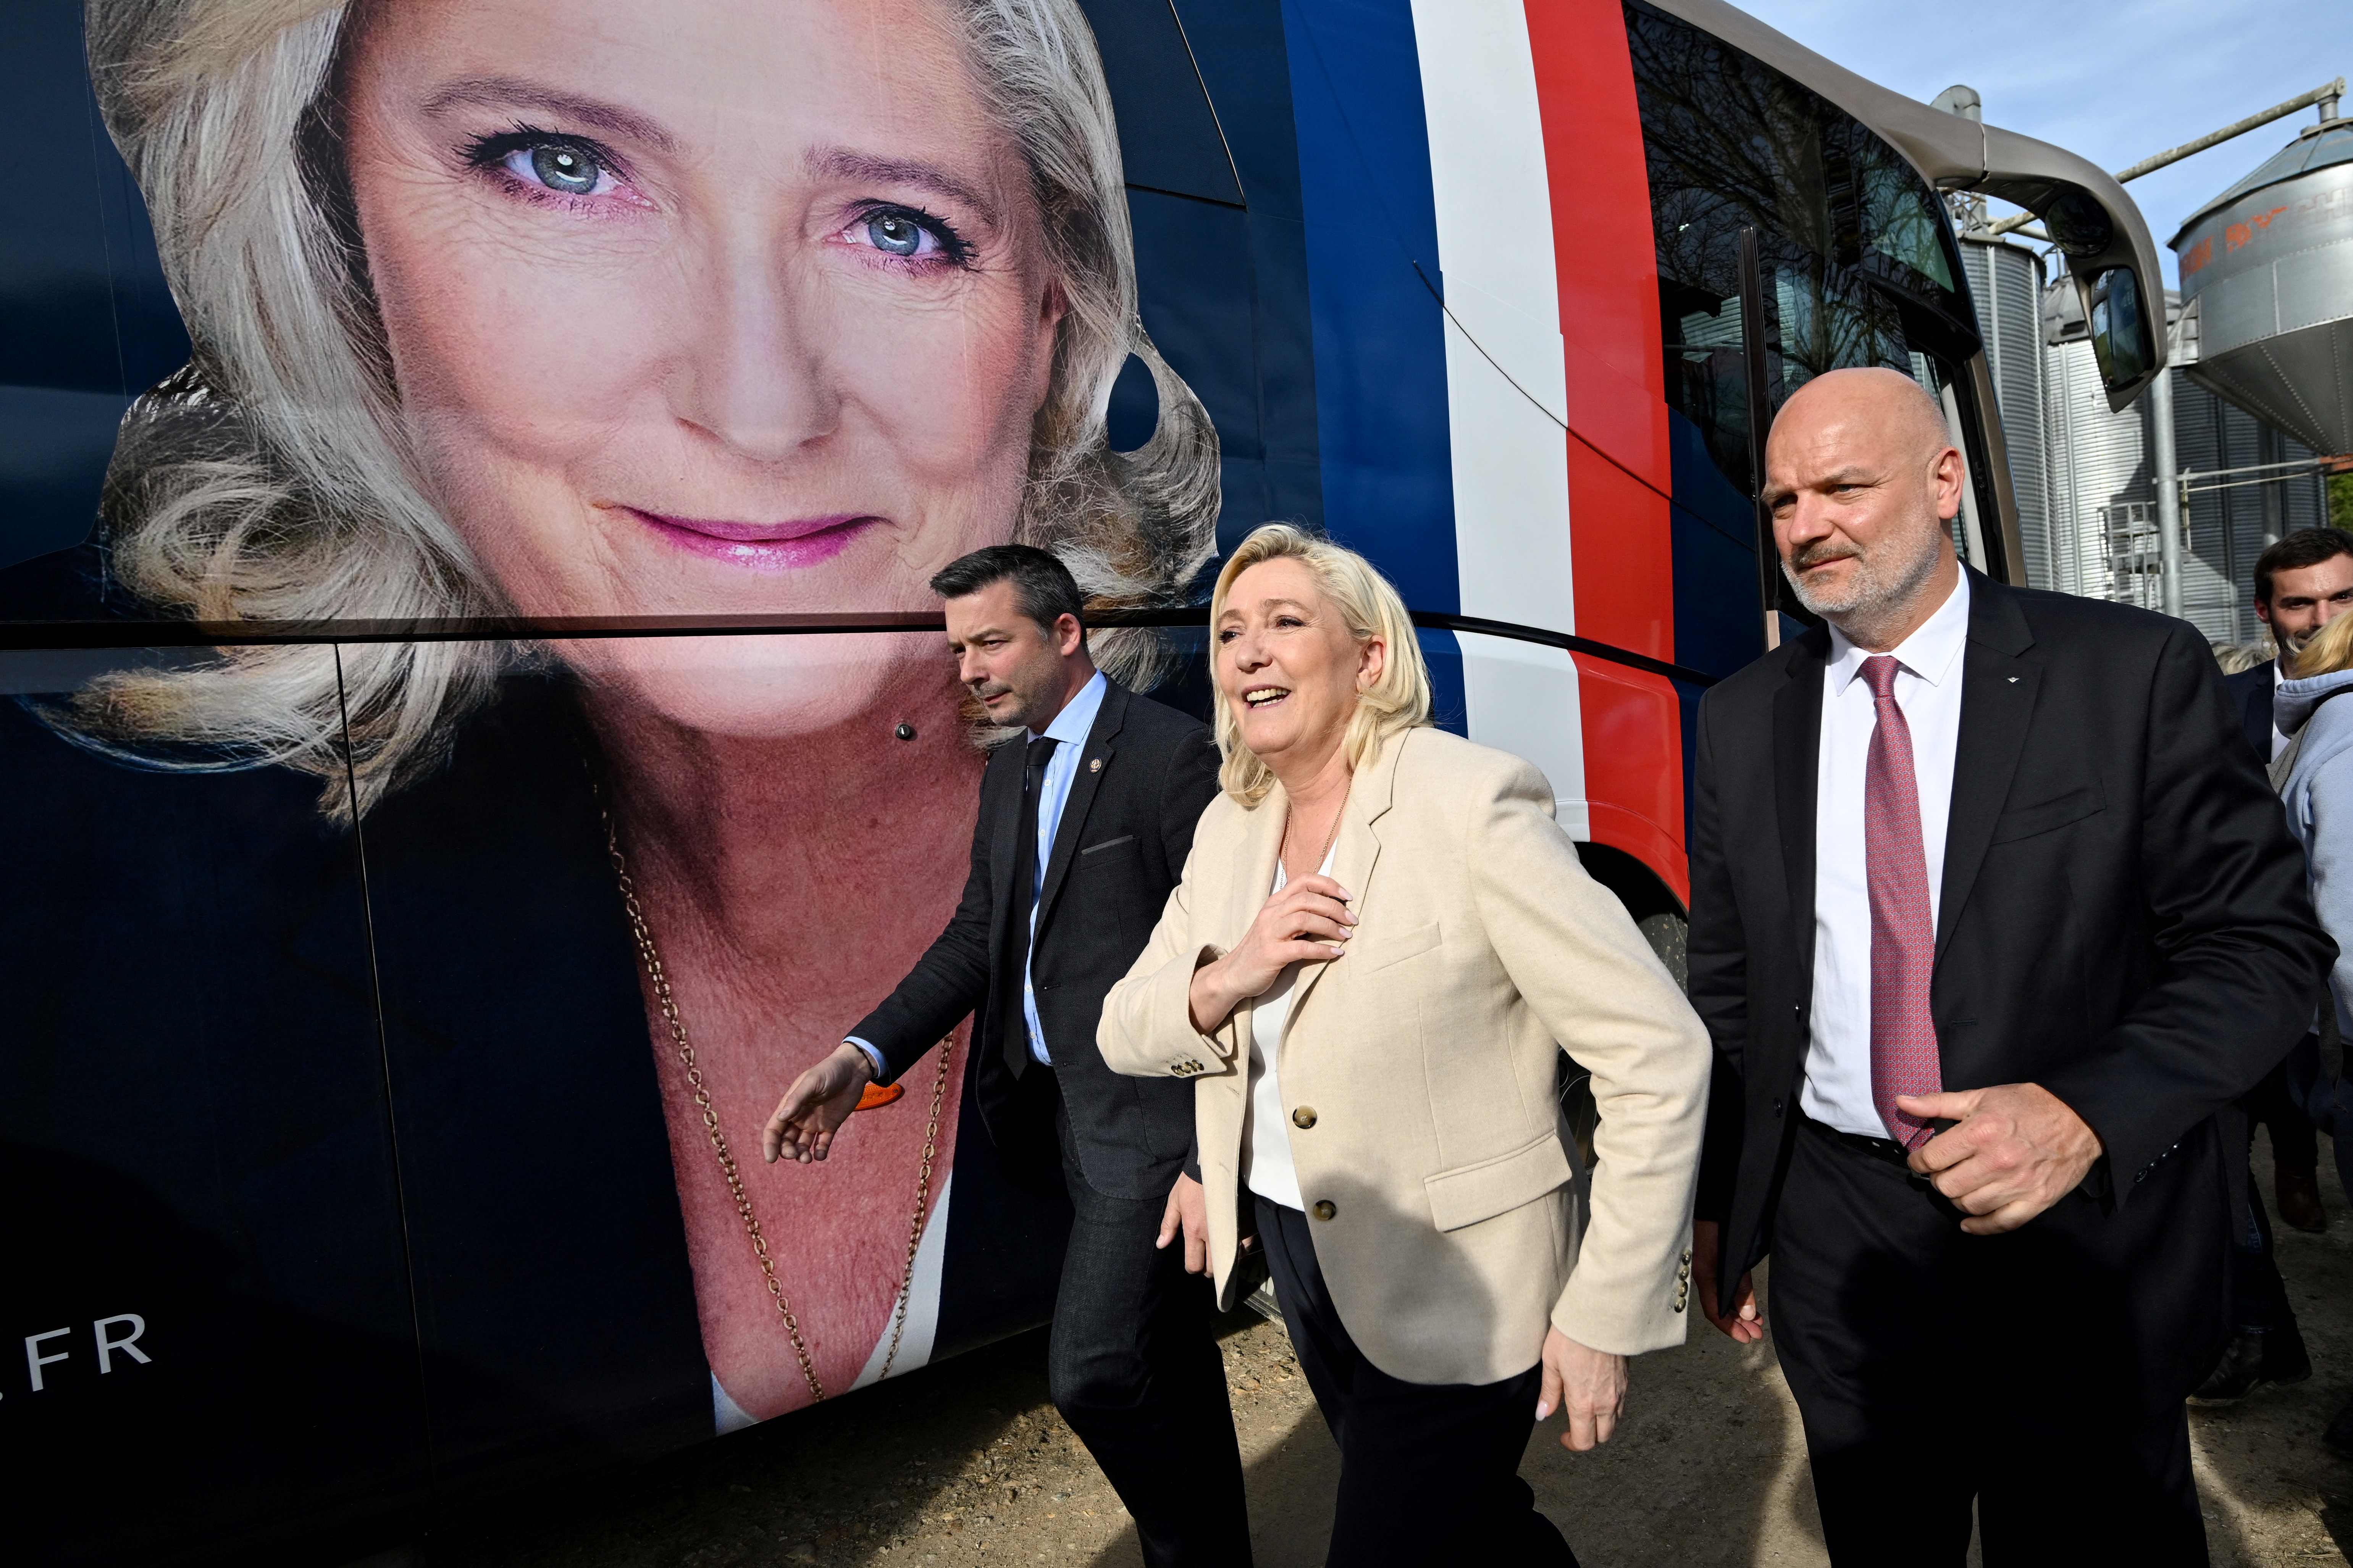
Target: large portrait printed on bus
x=621, y=317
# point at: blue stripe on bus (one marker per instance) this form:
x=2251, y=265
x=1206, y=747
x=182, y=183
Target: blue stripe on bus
x=1372, y=265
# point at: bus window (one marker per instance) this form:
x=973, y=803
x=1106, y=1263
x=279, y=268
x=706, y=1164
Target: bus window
x=1906, y=240
x=1858, y=268
x=1829, y=320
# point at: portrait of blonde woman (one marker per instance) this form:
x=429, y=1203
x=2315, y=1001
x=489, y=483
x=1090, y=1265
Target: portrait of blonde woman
x=1379, y=949
x=638, y=315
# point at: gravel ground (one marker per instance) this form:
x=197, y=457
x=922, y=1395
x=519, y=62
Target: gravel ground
x=967, y=1464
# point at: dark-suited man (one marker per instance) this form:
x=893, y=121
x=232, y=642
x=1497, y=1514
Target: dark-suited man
x=1085, y=821
x=1991, y=912
x=2302, y=584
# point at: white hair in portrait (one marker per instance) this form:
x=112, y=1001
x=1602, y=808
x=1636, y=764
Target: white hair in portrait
x=267, y=481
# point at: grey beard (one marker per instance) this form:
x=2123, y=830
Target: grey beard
x=1877, y=595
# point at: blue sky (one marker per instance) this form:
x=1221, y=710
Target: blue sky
x=2113, y=82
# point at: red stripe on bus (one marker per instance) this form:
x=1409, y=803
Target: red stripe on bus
x=1619, y=471
x=1602, y=243
x=1633, y=767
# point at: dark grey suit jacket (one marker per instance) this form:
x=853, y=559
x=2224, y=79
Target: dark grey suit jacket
x=2250, y=698
x=1147, y=775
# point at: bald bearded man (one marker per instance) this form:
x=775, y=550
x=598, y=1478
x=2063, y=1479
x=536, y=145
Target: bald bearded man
x=1991, y=913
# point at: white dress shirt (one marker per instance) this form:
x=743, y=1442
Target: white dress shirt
x=1072, y=726
x=1837, y=1089
x=1267, y=1169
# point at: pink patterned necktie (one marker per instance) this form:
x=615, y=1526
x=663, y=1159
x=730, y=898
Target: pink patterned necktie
x=1903, y=936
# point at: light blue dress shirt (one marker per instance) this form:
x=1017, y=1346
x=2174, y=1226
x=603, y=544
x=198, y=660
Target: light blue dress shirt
x=1072, y=726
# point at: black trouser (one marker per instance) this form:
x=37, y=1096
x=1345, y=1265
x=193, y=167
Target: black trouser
x=2258, y=1296
x=1930, y=1374
x=2295, y=1145
x=1429, y=1472
x=1133, y=1366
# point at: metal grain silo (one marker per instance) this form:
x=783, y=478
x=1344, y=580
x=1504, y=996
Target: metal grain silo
x=2102, y=510
x=2103, y=492
x=2006, y=281
x=2268, y=267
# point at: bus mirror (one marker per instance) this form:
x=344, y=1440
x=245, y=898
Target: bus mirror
x=2077, y=223
x=2121, y=339
x=2111, y=259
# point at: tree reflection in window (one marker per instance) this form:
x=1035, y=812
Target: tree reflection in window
x=1848, y=235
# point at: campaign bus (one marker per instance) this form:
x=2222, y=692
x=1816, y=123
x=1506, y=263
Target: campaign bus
x=477, y=727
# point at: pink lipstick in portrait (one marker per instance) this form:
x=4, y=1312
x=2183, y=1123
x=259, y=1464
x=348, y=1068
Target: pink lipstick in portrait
x=763, y=546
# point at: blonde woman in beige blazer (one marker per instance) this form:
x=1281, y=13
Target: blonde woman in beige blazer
x=1381, y=942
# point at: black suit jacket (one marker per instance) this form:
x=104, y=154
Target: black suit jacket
x=2124, y=921
x=2250, y=698
x=1147, y=775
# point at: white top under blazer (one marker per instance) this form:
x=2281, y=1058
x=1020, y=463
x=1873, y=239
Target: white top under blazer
x=1266, y=1145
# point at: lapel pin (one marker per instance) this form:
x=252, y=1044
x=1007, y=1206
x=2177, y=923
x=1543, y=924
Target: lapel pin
x=1095, y=766
x=2013, y=680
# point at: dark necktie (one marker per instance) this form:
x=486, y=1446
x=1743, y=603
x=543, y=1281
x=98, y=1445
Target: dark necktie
x=1903, y=1059
x=1024, y=899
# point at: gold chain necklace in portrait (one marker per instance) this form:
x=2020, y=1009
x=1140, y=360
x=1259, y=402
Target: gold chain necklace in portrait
x=658, y=978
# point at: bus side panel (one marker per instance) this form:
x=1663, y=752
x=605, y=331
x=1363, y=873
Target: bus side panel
x=1608, y=264
x=1633, y=739
x=1619, y=472
x=1633, y=767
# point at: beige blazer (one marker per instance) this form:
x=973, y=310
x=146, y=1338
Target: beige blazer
x=1451, y=1222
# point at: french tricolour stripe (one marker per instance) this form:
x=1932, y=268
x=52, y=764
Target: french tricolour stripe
x=1506, y=394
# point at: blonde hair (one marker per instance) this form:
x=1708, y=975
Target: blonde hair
x=1371, y=610
x=2330, y=649
x=2234, y=657
x=269, y=480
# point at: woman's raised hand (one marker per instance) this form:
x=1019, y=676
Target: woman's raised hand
x=1306, y=921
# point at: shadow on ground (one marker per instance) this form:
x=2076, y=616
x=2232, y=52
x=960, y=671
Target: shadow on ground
x=2272, y=1493
x=840, y=1483
x=966, y=1465
x=1708, y=1469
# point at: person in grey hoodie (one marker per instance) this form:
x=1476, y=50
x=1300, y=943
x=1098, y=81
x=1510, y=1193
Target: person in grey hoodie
x=2314, y=778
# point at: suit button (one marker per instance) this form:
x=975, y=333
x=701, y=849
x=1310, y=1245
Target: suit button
x=1777, y=1108
x=1686, y=1255
x=1304, y=1118
x=1323, y=1209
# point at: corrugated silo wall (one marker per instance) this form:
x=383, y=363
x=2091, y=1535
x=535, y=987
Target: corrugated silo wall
x=2099, y=461
x=2006, y=281
x=2228, y=527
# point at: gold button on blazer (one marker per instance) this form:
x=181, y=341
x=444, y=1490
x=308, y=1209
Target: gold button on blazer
x=1458, y=1224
